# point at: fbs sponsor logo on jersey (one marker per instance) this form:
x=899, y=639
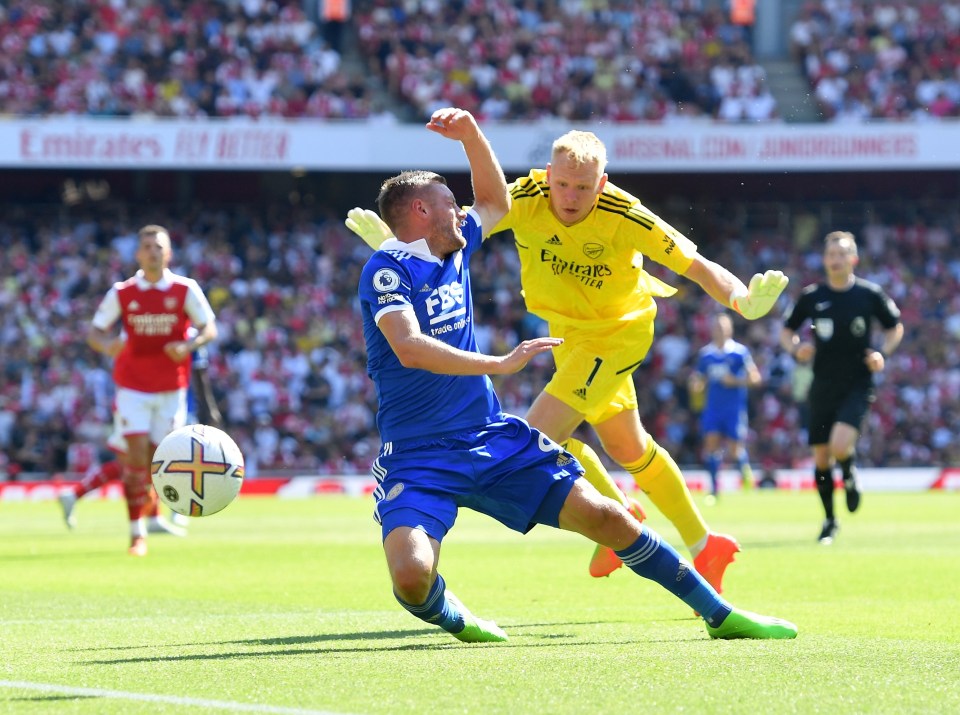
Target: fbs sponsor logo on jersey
x=444, y=306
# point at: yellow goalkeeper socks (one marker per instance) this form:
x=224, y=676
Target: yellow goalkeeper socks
x=659, y=477
x=595, y=472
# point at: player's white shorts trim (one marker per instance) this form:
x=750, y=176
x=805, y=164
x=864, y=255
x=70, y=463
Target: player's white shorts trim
x=152, y=413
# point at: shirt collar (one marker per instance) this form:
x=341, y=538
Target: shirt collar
x=166, y=280
x=418, y=248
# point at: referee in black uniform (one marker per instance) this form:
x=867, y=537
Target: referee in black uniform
x=841, y=311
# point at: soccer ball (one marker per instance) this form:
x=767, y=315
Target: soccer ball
x=197, y=470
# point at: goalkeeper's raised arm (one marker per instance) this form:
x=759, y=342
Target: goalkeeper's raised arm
x=751, y=301
x=369, y=226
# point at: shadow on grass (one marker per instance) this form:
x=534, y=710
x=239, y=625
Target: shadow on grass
x=52, y=698
x=325, y=637
x=438, y=641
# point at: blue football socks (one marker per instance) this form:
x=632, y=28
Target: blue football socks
x=437, y=609
x=651, y=557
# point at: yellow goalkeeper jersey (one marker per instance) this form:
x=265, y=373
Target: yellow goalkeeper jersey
x=591, y=274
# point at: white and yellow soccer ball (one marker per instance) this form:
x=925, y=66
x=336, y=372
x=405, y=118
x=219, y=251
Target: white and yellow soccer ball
x=197, y=470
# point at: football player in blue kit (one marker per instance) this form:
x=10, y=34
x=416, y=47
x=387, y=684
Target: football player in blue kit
x=724, y=371
x=446, y=442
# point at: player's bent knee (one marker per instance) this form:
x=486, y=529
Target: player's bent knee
x=411, y=581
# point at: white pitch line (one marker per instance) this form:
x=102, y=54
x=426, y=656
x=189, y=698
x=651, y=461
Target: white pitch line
x=168, y=699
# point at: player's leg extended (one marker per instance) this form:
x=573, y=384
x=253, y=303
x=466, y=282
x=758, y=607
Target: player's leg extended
x=412, y=558
x=557, y=420
x=713, y=460
x=843, y=440
x=604, y=561
x=742, y=456
x=137, y=490
x=644, y=552
x=658, y=476
x=823, y=477
x=95, y=478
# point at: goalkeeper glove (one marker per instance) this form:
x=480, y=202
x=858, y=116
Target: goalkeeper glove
x=756, y=300
x=368, y=226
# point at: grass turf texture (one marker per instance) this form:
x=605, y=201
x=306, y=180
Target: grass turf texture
x=277, y=605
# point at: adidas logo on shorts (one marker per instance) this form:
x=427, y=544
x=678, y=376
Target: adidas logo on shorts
x=581, y=392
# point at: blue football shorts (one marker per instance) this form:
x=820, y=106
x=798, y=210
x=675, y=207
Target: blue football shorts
x=731, y=424
x=507, y=470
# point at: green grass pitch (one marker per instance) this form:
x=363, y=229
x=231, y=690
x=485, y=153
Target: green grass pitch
x=284, y=606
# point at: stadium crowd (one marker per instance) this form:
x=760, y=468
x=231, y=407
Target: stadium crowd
x=502, y=59
x=523, y=60
x=881, y=60
x=289, y=367
x=183, y=58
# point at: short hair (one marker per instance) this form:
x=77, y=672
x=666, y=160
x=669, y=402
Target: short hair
x=581, y=148
x=397, y=190
x=153, y=229
x=844, y=239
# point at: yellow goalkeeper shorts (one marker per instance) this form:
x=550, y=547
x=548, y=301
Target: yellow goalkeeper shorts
x=595, y=368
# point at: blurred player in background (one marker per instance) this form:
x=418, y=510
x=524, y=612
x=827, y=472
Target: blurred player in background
x=582, y=242
x=842, y=310
x=722, y=375
x=201, y=409
x=446, y=442
x=151, y=368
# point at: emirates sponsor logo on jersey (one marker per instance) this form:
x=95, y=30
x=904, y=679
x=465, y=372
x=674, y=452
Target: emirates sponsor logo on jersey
x=589, y=274
x=154, y=323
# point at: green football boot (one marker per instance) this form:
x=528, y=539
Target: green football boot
x=475, y=630
x=744, y=624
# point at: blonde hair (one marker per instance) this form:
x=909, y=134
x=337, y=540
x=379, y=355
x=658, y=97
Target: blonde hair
x=581, y=148
x=844, y=239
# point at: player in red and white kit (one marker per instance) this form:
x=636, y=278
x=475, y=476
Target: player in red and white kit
x=202, y=406
x=151, y=353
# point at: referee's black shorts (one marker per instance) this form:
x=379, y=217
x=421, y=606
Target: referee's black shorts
x=832, y=402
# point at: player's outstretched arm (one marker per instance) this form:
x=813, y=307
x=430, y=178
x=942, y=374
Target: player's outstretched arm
x=752, y=302
x=421, y=352
x=369, y=226
x=757, y=299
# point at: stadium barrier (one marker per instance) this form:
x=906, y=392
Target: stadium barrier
x=894, y=479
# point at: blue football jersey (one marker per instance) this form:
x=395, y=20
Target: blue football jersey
x=714, y=364
x=418, y=403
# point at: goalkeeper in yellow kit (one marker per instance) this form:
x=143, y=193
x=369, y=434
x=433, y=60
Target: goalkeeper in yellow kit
x=582, y=242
